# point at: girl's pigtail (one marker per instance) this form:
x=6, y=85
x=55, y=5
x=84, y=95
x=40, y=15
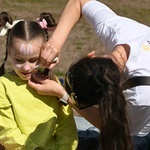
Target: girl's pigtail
x=47, y=22
x=51, y=23
x=114, y=125
x=115, y=134
x=4, y=20
x=2, y=68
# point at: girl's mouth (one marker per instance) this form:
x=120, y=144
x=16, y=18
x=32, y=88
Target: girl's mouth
x=27, y=73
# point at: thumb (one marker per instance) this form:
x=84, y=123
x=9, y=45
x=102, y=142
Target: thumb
x=32, y=84
x=35, y=81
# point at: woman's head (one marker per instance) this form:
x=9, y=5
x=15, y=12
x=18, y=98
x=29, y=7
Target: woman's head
x=91, y=78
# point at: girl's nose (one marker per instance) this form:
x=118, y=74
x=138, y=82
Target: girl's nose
x=26, y=67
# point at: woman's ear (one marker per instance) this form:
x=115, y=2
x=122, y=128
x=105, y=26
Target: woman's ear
x=91, y=54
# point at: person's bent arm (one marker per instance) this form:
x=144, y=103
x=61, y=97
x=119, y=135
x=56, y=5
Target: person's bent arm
x=50, y=87
x=70, y=16
x=91, y=114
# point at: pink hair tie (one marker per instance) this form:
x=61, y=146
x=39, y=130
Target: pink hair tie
x=42, y=23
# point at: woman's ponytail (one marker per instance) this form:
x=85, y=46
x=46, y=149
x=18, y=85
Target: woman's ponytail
x=115, y=134
x=97, y=81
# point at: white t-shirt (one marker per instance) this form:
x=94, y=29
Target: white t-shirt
x=114, y=30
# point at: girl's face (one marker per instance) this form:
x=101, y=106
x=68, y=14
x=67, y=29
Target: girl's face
x=24, y=56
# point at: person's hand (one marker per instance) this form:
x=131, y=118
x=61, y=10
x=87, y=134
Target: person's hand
x=48, y=55
x=46, y=86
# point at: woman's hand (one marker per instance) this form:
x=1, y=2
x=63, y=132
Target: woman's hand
x=48, y=55
x=46, y=86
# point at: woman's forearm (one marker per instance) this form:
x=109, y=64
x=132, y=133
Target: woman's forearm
x=70, y=16
x=50, y=87
x=91, y=113
x=52, y=48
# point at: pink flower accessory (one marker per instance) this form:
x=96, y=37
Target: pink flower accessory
x=42, y=23
x=8, y=26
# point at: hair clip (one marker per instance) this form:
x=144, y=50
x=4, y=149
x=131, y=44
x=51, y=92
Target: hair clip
x=8, y=26
x=42, y=23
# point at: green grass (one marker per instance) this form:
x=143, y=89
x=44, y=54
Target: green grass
x=82, y=38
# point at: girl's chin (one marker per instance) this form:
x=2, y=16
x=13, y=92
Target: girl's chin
x=25, y=77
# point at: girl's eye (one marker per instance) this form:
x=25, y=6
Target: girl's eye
x=33, y=60
x=18, y=60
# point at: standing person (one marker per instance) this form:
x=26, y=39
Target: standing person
x=127, y=43
x=29, y=121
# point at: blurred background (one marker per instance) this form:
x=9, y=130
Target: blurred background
x=82, y=38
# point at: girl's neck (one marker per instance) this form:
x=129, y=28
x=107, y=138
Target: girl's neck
x=13, y=73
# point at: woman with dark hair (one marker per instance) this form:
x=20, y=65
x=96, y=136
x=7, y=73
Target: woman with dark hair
x=96, y=80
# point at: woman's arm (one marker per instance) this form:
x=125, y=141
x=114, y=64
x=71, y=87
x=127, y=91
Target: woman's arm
x=50, y=87
x=70, y=16
x=91, y=113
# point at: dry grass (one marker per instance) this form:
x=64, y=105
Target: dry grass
x=82, y=39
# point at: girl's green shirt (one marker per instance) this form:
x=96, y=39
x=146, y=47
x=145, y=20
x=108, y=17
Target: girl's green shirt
x=29, y=120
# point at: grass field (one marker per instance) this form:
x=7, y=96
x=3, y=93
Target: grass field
x=82, y=39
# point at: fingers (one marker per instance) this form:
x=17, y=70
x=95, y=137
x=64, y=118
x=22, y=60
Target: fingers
x=52, y=65
x=36, y=81
x=46, y=87
x=34, y=85
x=39, y=84
x=48, y=55
x=33, y=82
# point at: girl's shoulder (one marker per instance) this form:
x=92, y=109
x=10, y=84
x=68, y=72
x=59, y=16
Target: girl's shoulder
x=9, y=79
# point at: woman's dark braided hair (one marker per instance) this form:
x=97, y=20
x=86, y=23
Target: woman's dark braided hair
x=25, y=30
x=97, y=81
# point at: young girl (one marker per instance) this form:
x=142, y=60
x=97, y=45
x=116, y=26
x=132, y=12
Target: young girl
x=29, y=121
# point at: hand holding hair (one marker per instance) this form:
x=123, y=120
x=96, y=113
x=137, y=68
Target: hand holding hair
x=43, y=86
x=48, y=53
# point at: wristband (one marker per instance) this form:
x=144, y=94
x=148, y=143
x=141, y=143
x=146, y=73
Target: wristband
x=64, y=99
